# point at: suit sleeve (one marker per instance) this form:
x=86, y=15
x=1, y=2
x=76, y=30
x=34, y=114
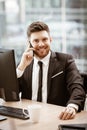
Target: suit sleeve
x=74, y=83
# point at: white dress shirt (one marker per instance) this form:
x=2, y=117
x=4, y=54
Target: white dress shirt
x=35, y=77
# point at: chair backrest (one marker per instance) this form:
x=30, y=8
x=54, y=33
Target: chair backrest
x=84, y=76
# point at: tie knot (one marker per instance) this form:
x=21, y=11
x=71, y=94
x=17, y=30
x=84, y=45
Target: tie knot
x=40, y=63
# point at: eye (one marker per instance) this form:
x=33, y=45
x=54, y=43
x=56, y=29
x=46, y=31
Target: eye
x=45, y=39
x=36, y=41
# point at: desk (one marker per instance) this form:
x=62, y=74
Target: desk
x=48, y=119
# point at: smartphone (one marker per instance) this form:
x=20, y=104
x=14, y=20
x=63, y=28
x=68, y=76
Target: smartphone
x=31, y=47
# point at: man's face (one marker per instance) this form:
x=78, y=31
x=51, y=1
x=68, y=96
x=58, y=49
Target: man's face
x=41, y=43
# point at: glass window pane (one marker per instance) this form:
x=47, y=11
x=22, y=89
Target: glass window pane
x=76, y=33
x=67, y=20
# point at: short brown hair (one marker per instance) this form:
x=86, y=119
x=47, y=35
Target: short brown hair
x=36, y=27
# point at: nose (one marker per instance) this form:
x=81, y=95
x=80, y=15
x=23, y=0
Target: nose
x=41, y=43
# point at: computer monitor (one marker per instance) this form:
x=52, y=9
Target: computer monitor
x=9, y=88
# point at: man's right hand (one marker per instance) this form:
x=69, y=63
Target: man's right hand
x=26, y=58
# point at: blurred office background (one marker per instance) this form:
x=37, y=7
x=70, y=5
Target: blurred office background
x=67, y=20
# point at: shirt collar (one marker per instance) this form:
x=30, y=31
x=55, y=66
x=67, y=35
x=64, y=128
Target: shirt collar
x=45, y=60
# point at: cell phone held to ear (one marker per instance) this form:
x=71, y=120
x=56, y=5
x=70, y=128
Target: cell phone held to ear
x=32, y=47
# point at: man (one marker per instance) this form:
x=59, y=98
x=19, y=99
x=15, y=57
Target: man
x=61, y=83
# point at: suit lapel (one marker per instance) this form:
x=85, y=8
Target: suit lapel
x=53, y=64
x=30, y=77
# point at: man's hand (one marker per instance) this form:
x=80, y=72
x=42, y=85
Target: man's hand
x=26, y=58
x=68, y=113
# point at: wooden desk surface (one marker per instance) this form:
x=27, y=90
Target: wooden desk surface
x=48, y=121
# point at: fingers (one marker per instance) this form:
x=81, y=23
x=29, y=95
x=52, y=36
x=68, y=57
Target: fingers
x=29, y=52
x=29, y=48
x=26, y=59
x=68, y=113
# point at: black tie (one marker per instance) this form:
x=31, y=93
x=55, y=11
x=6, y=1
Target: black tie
x=39, y=96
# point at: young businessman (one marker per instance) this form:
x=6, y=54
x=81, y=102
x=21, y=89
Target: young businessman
x=61, y=82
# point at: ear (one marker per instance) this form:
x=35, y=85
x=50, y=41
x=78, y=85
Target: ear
x=50, y=39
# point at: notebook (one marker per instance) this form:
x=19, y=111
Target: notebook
x=72, y=127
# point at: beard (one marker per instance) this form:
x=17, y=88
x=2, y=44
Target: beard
x=42, y=52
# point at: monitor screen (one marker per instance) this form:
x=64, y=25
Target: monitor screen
x=9, y=89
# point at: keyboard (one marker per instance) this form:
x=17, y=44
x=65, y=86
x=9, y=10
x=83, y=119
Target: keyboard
x=13, y=112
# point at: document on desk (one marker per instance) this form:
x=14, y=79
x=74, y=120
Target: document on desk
x=2, y=118
x=72, y=127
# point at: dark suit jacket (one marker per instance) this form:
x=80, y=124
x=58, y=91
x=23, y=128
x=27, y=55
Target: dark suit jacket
x=64, y=84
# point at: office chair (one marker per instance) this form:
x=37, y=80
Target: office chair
x=84, y=76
